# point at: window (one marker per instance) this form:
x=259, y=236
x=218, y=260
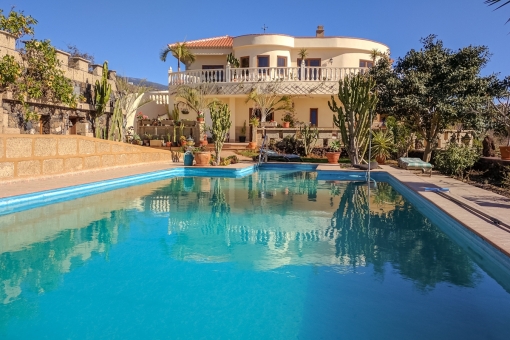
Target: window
x=244, y=61
x=366, y=63
x=314, y=62
x=314, y=117
x=263, y=61
x=282, y=62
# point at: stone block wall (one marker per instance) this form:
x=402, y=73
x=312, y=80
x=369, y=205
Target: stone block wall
x=57, y=117
x=25, y=156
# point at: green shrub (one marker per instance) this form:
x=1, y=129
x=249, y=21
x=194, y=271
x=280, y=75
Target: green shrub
x=455, y=159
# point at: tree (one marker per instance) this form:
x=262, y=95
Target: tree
x=128, y=98
x=220, y=116
x=37, y=74
x=17, y=23
x=10, y=70
x=501, y=3
x=357, y=101
x=499, y=108
x=434, y=88
x=268, y=99
x=41, y=78
x=179, y=51
x=194, y=98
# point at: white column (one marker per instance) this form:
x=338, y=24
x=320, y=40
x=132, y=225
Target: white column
x=232, y=106
x=228, y=78
x=169, y=74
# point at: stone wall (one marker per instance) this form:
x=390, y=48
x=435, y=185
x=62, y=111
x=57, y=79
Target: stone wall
x=55, y=118
x=25, y=156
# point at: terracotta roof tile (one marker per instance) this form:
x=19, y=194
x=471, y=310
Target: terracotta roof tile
x=216, y=42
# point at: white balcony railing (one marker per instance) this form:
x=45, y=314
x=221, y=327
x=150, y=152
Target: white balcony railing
x=264, y=74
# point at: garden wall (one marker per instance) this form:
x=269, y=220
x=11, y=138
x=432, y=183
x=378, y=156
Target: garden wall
x=25, y=156
x=55, y=118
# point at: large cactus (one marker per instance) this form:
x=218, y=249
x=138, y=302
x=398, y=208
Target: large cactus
x=220, y=116
x=102, y=95
x=116, y=131
x=309, y=136
x=357, y=101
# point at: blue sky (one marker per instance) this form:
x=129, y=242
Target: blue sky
x=130, y=34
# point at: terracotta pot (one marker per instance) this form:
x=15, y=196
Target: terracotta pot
x=200, y=120
x=381, y=160
x=183, y=142
x=333, y=157
x=505, y=152
x=202, y=158
x=252, y=145
x=286, y=124
x=168, y=144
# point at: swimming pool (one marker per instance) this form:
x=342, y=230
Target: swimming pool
x=275, y=254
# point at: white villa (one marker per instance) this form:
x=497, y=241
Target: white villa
x=271, y=60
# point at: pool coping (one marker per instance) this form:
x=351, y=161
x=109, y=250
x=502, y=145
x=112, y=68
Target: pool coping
x=56, y=191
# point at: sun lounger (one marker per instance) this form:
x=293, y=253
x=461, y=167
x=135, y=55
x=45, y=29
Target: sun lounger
x=410, y=163
x=268, y=155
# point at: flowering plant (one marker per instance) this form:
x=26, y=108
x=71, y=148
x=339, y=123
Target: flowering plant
x=200, y=114
x=141, y=116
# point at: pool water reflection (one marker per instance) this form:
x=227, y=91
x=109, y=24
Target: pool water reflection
x=271, y=255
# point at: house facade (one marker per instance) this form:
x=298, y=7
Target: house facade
x=274, y=62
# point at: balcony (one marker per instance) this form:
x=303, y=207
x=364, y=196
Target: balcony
x=234, y=76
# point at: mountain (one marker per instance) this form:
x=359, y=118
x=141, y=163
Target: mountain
x=156, y=86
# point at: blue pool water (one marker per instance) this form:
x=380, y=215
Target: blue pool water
x=273, y=255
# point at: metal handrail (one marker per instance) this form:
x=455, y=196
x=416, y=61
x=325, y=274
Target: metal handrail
x=262, y=147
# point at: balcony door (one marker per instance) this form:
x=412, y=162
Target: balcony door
x=311, y=74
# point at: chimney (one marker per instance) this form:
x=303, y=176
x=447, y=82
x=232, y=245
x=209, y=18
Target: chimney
x=320, y=32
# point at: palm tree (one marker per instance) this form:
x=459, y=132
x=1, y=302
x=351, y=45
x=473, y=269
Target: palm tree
x=497, y=2
x=303, y=53
x=268, y=99
x=179, y=51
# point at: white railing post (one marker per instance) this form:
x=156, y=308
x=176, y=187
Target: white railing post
x=170, y=75
x=303, y=74
x=228, y=71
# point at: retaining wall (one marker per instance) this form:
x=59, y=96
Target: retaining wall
x=25, y=156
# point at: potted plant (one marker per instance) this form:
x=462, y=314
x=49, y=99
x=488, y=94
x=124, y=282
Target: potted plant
x=202, y=156
x=334, y=154
x=146, y=139
x=182, y=140
x=200, y=116
x=136, y=139
x=288, y=120
x=254, y=123
x=167, y=140
x=234, y=63
x=155, y=141
x=242, y=137
x=382, y=146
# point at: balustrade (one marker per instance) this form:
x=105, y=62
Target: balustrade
x=263, y=74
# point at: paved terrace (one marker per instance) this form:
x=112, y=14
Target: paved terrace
x=490, y=203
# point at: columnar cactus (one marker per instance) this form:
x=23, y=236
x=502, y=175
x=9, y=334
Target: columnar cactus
x=309, y=136
x=115, y=132
x=357, y=101
x=102, y=96
x=220, y=116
